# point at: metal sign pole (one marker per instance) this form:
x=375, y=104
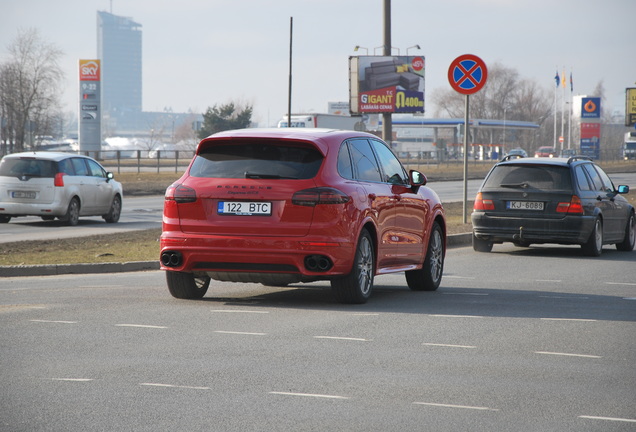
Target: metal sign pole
x=466, y=132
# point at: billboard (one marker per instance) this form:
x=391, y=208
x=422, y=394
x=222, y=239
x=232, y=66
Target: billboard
x=90, y=118
x=591, y=139
x=386, y=84
x=630, y=107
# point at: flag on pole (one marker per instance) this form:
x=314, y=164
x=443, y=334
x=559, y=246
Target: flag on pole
x=563, y=79
x=557, y=78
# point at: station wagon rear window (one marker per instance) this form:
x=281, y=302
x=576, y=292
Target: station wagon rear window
x=257, y=161
x=540, y=177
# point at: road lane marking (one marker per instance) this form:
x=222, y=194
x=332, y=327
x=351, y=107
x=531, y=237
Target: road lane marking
x=569, y=319
x=238, y=311
x=567, y=354
x=324, y=396
x=458, y=277
x=448, y=345
x=562, y=297
x=621, y=283
x=466, y=294
x=455, y=406
x=609, y=419
x=549, y=280
x=455, y=316
x=174, y=386
x=73, y=379
x=56, y=322
x=141, y=326
x=239, y=333
x=342, y=338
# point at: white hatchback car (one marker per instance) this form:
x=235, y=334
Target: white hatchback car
x=57, y=185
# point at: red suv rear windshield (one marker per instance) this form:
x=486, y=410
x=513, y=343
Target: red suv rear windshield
x=257, y=160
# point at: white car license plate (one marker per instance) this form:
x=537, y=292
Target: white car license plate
x=244, y=208
x=23, y=194
x=524, y=205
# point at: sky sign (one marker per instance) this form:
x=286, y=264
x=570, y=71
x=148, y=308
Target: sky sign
x=386, y=84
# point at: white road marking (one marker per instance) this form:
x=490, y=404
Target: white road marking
x=455, y=316
x=569, y=319
x=621, y=283
x=365, y=314
x=342, y=338
x=608, y=418
x=567, y=354
x=141, y=326
x=240, y=333
x=455, y=406
x=239, y=311
x=174, y=386
x=309, y=395
x=458, y=277
x=466, y=294
x=448, y=345
x=73, y=379
x=549, y=280
x=561, y=297
x=56, y=322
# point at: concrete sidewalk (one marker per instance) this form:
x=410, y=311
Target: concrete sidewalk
x=453, y=241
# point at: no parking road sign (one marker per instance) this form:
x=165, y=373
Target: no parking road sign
x=467, y=74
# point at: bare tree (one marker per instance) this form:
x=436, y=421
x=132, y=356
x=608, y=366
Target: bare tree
x=29, y=90
x=504, y=97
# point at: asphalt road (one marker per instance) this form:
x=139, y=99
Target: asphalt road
x=538, y=339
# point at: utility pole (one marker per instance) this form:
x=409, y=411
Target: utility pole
x=387, y=124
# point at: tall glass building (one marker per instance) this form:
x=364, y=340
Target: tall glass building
x=119, y=49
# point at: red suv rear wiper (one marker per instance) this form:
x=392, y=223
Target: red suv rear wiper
x=267, y=176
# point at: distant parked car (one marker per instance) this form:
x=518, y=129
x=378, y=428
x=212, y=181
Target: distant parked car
x=564, y=201
x=545, y=151
x=282, y=206
x=57, y=185
x=518, y=152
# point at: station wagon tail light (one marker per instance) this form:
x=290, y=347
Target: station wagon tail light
x=181, y=194
x=58, y=181
x=321, y=195
x=482, y=204
x=574, y=206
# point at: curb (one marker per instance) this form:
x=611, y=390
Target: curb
x=452, y=241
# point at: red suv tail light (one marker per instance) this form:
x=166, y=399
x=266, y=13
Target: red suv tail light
x=482, y=204
x=58, y=181
x=181, y=194
x=574, y=206
x=321, y=195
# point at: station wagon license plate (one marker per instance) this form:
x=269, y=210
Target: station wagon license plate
x=524, y=205
x=244, y=208
x=23, y=194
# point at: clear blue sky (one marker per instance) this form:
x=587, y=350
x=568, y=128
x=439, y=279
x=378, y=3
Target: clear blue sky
x=197, y=53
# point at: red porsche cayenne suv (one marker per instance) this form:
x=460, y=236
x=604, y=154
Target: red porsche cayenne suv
x=282, y=206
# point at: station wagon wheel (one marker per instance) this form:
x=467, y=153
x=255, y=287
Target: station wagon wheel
x=630, y=235
x=429, y=276
x=115, y=211
x=72, y=213
x=480, y=245
x=356, y=286
x=594, y=245
x=184, y=285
